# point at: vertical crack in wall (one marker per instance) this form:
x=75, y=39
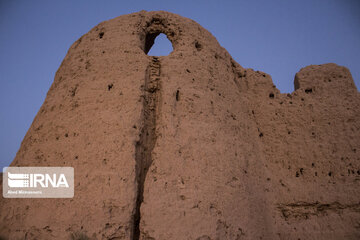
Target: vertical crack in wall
x=145, y=146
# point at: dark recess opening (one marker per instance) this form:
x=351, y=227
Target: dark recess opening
x=157, y=44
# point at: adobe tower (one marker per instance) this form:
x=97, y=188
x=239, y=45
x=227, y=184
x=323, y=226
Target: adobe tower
x=189, y=145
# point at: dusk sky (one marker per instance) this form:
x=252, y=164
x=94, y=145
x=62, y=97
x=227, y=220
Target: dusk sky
x=278, y=37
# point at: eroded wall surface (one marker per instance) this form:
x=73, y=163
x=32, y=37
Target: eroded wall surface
x=189, y=145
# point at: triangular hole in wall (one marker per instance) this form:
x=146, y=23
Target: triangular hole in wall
x=162, y=46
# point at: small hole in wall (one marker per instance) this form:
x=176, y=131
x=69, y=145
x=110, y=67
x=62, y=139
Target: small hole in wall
x=308, y=90
x=157, y=44
x=271, y=95
x=198, y=46
x=177, y=96
x=101, y=35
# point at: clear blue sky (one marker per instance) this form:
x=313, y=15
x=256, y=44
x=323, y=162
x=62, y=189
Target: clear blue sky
x=278, y=37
